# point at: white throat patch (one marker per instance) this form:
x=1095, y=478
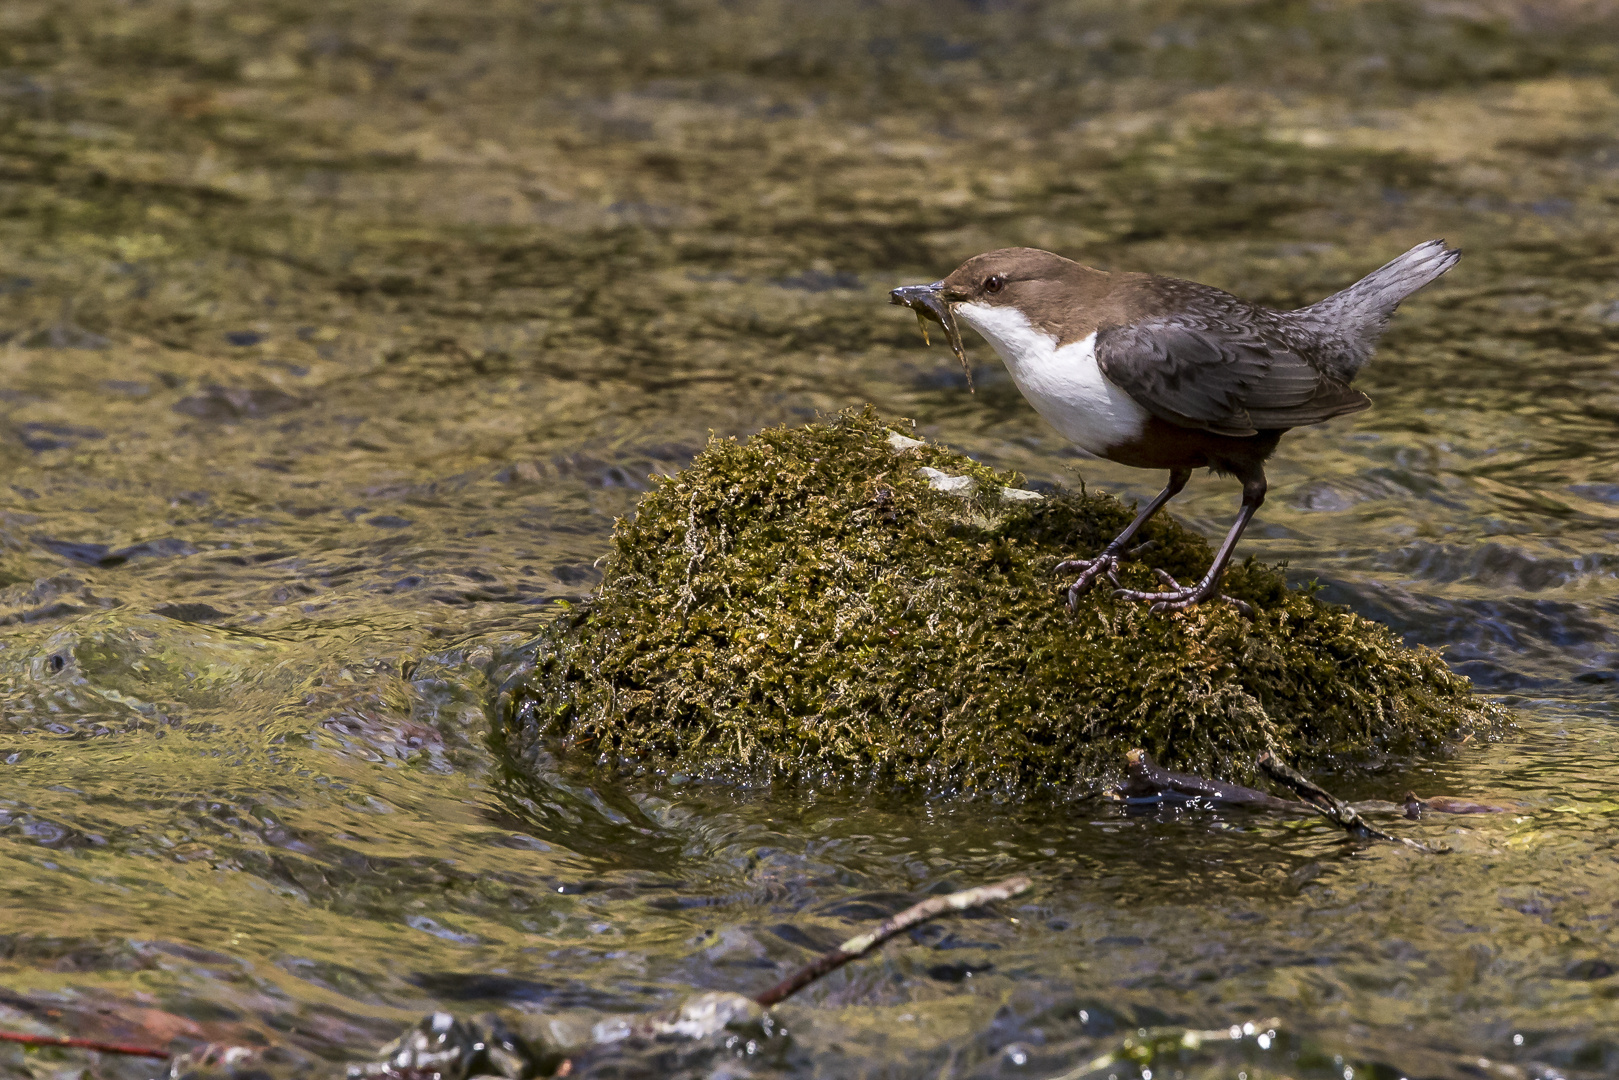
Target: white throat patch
x=1066, y=386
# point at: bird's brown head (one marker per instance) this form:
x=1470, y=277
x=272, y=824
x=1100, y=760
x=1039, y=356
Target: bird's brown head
x=1045, y=287
x=1009, y=276
x=1037, y=282
x=1060, y=297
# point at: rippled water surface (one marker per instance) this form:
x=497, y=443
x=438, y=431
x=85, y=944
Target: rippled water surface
x=333, y=338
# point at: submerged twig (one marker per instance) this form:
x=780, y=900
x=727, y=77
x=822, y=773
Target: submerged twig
x=82, y=1044
x=859, y=946
x=1149, y=781
x=1329, y=805
x=1444, y=804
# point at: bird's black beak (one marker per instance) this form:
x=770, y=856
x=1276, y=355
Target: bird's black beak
x=928, y=301
x=919, y=297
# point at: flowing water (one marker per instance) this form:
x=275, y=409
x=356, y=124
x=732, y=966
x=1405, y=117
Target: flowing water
x=334, y=336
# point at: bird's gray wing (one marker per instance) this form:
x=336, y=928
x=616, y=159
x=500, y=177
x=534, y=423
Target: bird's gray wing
x=1230, y=380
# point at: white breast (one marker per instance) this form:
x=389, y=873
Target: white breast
x=1066, y=385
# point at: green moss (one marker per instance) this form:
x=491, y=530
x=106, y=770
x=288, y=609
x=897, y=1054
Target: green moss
x=804, y=604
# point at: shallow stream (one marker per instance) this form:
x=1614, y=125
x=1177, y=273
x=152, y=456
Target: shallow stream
x=334, y=336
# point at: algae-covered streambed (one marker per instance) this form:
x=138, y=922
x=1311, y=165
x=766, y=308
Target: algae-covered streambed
x=334, y=337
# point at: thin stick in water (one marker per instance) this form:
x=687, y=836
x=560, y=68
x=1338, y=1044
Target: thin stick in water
x=81, y=1044
x=1330, y=806
x=1149, y=780
x=857, y=947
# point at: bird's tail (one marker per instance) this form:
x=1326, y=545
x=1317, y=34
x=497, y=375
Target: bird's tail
x=1359, y=314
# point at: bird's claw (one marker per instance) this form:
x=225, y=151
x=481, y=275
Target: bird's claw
x=1090, y=570
x=1243, y=607
x=1180, y=597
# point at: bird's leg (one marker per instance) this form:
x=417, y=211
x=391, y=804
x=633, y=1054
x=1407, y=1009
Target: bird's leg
x=1180, y=597
x=1108, y=561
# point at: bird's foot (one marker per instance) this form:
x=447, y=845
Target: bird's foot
x=1180, y=597
x=1089, y=570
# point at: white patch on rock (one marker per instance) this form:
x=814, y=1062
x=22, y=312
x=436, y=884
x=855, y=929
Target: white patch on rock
x=899, y=443
x=963, y=486
x=945, y=484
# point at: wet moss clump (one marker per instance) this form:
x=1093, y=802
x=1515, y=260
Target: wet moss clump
x=805, y=604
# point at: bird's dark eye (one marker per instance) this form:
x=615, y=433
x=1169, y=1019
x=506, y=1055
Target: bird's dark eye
x=994, y=284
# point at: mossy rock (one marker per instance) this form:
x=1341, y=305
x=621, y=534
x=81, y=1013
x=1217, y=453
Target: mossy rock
x=804, y=605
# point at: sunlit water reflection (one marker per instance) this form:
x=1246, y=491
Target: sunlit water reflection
x=332, y=344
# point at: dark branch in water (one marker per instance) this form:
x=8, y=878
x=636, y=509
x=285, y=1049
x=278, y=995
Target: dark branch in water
x=1147, y=781
x=857, y=947
x=1330, y=806
x=82, y=1044
x=1443, y=804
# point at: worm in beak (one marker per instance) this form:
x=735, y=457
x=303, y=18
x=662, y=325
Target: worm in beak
x=928, y=303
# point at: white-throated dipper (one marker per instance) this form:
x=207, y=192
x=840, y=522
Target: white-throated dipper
x=1161, y=373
